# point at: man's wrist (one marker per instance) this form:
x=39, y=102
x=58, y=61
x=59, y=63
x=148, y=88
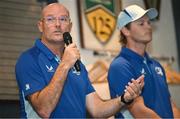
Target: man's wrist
x=65, y=65
x=124, y=101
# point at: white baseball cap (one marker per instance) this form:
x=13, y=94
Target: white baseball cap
x=132, y=13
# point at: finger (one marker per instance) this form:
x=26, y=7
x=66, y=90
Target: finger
x=140, y=79
x=142, y=85
x=130, y=90
x=135, y=86
x=76, y=53
x=72, y=45
x=139, y=86
x=127, y=96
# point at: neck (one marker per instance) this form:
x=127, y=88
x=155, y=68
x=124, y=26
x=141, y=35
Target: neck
x=56, y=48
x=138, y=48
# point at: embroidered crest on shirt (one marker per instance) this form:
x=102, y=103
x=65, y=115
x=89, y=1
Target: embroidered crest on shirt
x=75, y=72
x=143, y=71
x=27, y=86
x=49, y=68
x=159, y=71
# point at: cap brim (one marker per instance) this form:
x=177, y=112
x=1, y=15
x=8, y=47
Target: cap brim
x=152, y=13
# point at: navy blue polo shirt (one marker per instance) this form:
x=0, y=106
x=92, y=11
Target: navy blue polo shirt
x=128, y=65
x=35, y=69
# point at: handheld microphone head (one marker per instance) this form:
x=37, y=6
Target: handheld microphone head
x=67, y=38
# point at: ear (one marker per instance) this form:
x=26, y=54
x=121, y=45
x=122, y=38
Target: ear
x=125, y=31
x=70, y=26
x=40, y=26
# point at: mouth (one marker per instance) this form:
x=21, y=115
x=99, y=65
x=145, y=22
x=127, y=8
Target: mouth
x=57, y=32
x=148, y=33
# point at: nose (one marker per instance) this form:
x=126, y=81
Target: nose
x=148, y=25
x=57, y=22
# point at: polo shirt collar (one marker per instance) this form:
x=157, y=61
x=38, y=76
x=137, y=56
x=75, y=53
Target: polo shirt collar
x=44, y=49
x=131, y=55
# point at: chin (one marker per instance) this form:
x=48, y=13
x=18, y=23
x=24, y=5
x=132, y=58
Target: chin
x=58, y=39
x=55, y=40
x=148, y=39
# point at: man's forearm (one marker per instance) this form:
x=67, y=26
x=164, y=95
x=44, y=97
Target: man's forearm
x=145, y=113
x=104, y=109
x=45, y=101
x=139, y=110
x=111, y=107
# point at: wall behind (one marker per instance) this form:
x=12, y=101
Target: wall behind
x=86, y=55
x=163, y=44
x=164, y=40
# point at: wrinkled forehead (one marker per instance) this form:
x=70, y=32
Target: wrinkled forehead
x=55, y=9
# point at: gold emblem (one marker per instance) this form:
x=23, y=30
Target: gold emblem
x=101, y=18
x=102, y=23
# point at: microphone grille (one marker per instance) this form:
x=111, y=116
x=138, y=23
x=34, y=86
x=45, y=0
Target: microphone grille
x=67, y=38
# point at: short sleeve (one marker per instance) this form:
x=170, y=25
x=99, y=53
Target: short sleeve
x=119, y=74
x=29, y=75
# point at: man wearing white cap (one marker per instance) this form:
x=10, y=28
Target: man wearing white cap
x=136, y=32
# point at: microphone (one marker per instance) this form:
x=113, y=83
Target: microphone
x=68, y=40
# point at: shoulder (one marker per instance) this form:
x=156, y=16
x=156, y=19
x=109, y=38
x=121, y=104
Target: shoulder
x=28, y=58
x=156, y=63
x=121, y=68
x=29, y=54
x=120, y=63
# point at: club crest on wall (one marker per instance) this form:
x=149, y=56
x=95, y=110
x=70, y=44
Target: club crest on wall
x=101, y=18
x=98, y=22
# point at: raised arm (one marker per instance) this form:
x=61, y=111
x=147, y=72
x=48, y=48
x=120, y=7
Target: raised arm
x=99, y=108
x=45, y=100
